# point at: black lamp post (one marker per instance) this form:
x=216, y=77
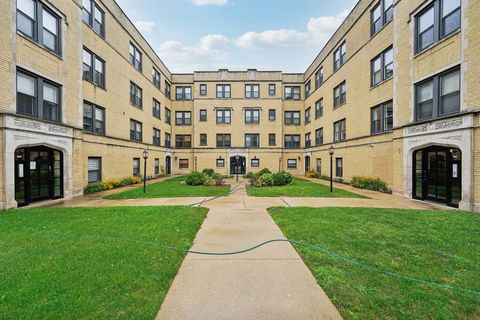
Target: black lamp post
x=331, y=152
x=237, y=165
x=145, y=157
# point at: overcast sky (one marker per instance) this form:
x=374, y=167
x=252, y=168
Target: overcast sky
x=193, y=35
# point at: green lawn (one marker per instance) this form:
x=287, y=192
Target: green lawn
x=91, y=263
x=301, y=188
x=436, y=246
x=171, y=188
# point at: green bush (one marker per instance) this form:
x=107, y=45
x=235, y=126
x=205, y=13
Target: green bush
x=312, y=174
x=208, y=172
x=282, y=178
x=93, y=187
x=252, y=177
x=209, y=182
x=324, y=177
x=369, y=183
x=265, y=180
x=263, y=171
x=196, y=179
x=219, y=179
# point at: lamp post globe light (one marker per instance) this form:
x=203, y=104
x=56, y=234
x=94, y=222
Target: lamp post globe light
x=331, y=152
x=145, y=157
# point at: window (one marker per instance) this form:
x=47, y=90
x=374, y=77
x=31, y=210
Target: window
x=223, y=91
x=167, y=89
x=339, y=57
x=93, y=118
x=308, y=89
x=168, y=116
x=203, y=115
x=438, y=96
x=224, y=116
x=292, y=118
x=272, y=115
x=382, y=67
x=436, y=22
x=272, y=140
x=156, y=112
x=39, y=23
x=381, y=15
x=308, y=116
x=136, y=167
x=183, y=118
x=339, y=130
x=183, y=141
x=183, y=93
x=37, y=97
x=252, y=140
x=156, y=137
x=252, y=91
x=319, y=166
x=156, y=78
x=255, y=163
x=292, y=163
x=136, y=95
x=94, y=169
x=220, y=163
x=319, y=78
x=340, y=94
x=93, y=68
x=339, y=167
x=272, y=89
x=135, y=57
x=203, y=89
x=203, y=139
x=252, y=116
x=168, y=140
x=292, y=93
x=183, y=164
x=96, y=20
x=224, y=140
x=308, y=140
x=157, y=166
x=319, y=137
x=292, y=141
x=319, y=108
x=382, y=118
x=135, y=131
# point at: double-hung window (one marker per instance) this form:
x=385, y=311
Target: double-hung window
x=136, y=167
x=156, y=137
x=308, y=116
x=438, y=96
x=203, y=139
x=203, y=89
x=292, y=163
x=252, y=140
x=255, y=163
x=339, y=56
x=224, y=116
x=168, y=140
x=39, y=23
x=203, y=115
x=382, y=117
x=339, y=167
x=183, y=141
x=319, y=137
x=183, y=118
x=136, y=131
x=437, y=21
x=157, y=166
x=319, y=108
x=272, y=139
x=168, y=116
x=340, y=130
x=38, y=97
x=340, y=94
x=292, y=93
x=135, y=57
x=156, y=112
x=224, y=140
x=292, y=141
x=252, y=91
x=183, y=164
x=308, y=89
x=272, y=115
x=223, y=91
x=382, y=67
x=93, y=118
x=156, y=78
x=381, y=14
x=252, y=116
x=93, y=16
x=183, y=93
x=308, y=140
x=272, y=89
x=292, y=118
x=319, y=78
x=93, y=68
x=168, y=87
x=94, y=169
x=136, y=95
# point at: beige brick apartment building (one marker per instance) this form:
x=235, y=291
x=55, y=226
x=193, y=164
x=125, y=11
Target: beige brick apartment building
x=395, y=91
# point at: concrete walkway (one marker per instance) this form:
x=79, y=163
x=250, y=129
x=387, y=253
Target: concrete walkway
x=271, y=282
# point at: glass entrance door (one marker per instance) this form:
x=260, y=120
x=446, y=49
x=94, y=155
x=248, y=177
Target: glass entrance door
x=307, y=163
x=238, y=165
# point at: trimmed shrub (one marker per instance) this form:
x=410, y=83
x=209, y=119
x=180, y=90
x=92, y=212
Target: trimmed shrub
x=196, y=179
x=219, y=179
x=312, y=174
x=263, y=171
x=369, y=183
x=252, y=177
x=93, y=187
x=209, y=182
x=208, y=172
x=282, y=178
x=324, y=177
x=111, y=184
x=265, y=180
